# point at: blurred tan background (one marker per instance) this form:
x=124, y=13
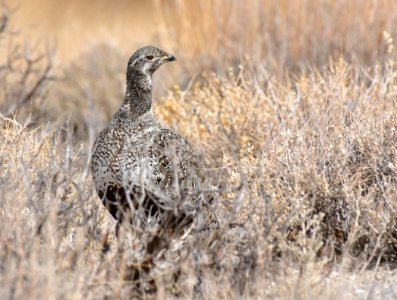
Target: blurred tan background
x=94, y=39
x=216, y=34
x=75, y=26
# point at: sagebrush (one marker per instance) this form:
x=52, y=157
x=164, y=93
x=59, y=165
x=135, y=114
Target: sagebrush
x=300, y=155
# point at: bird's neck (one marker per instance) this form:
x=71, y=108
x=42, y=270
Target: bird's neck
x=138, y=96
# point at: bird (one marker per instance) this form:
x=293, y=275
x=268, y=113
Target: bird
x=145, y=174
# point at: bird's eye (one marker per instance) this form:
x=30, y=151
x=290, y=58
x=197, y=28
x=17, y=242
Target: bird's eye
x=149, y=57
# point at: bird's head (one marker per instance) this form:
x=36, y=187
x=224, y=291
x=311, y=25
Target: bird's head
x=147, y=60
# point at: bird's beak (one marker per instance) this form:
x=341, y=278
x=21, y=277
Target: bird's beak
x=168, y=58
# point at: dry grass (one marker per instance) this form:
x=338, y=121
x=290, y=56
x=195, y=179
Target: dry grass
x=280, y=35
x=304, y=159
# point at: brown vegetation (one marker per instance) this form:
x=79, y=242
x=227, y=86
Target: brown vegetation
x=293, y=107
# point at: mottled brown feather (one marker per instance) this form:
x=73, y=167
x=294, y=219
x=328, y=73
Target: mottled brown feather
x=142, y=170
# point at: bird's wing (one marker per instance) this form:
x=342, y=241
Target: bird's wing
x=176, y=161
x=104, y=162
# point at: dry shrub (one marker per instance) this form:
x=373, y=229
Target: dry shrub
x=41, y=185
x=302, y=170
x=25, y=71
x=306, y=175
x=321, y=145
x=283, y=35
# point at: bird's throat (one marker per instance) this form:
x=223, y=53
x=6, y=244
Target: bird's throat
x=138, y=97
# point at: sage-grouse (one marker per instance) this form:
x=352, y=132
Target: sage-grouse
x=144, y=173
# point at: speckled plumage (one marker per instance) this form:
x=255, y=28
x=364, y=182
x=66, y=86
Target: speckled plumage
x=142, y=170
